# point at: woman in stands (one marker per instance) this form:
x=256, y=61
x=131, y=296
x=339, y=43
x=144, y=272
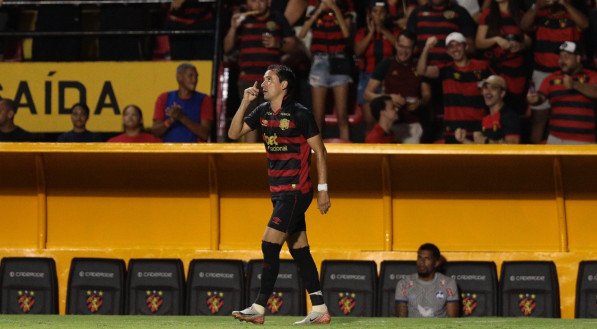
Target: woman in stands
x=331, y=67
x=134, y=131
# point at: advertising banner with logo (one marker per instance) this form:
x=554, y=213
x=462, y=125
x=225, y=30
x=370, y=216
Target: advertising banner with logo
x=45, y=92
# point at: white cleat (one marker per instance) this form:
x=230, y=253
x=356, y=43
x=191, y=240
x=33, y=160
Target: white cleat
x=249, y=314
x=315, y=318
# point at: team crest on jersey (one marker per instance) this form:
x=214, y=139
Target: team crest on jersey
x=94, y=300
x=215, y=301
x=271, y=25
x=275, y=302
x=456, y=75
x=154, y=300
x=469, y=303
x=26, y=300
x=449, y=14
x=346, y=302
x=527, y=303
x=284, y=124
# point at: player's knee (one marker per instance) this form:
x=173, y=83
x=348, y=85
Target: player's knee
x=300, y=253
x=270, y=250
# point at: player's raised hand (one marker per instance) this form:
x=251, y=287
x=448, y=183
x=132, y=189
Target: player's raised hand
x=251, y=93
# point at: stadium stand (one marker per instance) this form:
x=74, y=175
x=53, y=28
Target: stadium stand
x=390, y=273
x=155, y=287
x=215, y=287
x=586, y=290
x=349, y=287
x=96, y=286
x=530, y=289
x=478, y=286
x=29, y=286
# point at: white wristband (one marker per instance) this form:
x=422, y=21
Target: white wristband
x=322, y=187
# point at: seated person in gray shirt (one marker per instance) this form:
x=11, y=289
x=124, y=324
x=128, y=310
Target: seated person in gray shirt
x=79, y=114
x=427, y=293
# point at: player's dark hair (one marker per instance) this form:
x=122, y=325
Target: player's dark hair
x=284, y=73
x=378, y=104
x=432, y=248
x=12, y=105
x=409, y=35
x=83, y=106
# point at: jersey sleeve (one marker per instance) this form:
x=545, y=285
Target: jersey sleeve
x=306, y=123
x=252, y=119
x=159, y=112
x=401, y=294
x=452, y=290
x=510, y=123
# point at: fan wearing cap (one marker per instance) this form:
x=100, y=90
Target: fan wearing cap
x=463, y=104
x=501, y=125
x=572, y=94
x=551, y=22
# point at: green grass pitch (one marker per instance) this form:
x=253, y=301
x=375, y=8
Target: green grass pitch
x=172, y=322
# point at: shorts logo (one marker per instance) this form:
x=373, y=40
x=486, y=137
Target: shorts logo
x=26, y=300
x=527, y=303
x=215, y=301
x=276, y=220
x=275, y=302
x=94, y=300
x=154, y=300
x=346, y=302
x=469, y=303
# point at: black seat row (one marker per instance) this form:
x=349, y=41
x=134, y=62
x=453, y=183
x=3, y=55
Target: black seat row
x=216, y=287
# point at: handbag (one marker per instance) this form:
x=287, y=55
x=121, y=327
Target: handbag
x=340, y=65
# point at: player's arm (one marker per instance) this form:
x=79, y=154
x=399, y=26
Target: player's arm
x=401, y=309
x=323, y=198
x=453, y=309
x=200, y=129
x=238, y=127
x=587, y=89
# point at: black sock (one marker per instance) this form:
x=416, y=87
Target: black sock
x=308, y=273
x=269, y=273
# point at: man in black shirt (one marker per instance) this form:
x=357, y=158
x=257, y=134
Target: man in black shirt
x=9, y=132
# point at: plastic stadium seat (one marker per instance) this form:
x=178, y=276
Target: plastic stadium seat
x=349, y=287
x=96, y=286
x=29, y=286
x=477, y=285
x=529, y=289
x=586, y=290
x=289, y=294
x=215, y=287
x=390, y=273
x=155, y=287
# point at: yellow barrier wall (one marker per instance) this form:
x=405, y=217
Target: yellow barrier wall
x=484, y=202
x=45, y=92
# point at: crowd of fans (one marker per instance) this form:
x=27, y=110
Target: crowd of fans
x=455, y=71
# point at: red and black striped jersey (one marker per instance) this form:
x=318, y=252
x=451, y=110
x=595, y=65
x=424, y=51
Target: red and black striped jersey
x=439, y=21
x=254, y=57
x=572, y=113
x=464, y=106
x=285, y=135
x=327, y=35
x=552, y=30
x=501, y=124
x=508, y=65
x=378, y=49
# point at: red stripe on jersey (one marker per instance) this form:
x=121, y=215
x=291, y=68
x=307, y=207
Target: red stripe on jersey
x=283, y=156
x=283, y=172
x=575, y=137
x=460, y=113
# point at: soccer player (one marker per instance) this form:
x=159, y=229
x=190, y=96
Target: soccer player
x=289, y=134
x=427, y=293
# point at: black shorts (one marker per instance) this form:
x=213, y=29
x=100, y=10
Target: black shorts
x=288, y=215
